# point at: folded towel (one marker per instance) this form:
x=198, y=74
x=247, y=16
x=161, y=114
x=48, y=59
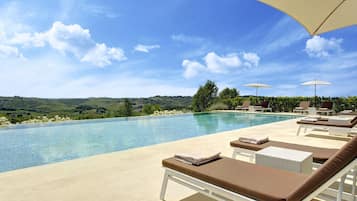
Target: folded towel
x=340, y=119
x=309, y=119
x=254, y=139
x=197, y=158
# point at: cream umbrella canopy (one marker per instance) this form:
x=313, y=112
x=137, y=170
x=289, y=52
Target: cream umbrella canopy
x=257, y=86
x=319, y=16
x=315, y=83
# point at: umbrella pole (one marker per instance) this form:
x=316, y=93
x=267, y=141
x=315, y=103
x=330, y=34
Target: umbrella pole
x=256, y=95
x=315, y=97
x=256, y=92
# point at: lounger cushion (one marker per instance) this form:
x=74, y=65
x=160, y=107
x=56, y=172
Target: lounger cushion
x=346, y=124
x=254, y=181
x=319, y=155
x=336, y=163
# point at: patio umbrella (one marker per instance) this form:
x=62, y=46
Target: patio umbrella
x=319, y=16
x=257, y=86
x=315, y=83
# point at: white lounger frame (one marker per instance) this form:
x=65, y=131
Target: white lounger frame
x=263, y=109
x=311, y=126
x=331, y=192
x=221, y=194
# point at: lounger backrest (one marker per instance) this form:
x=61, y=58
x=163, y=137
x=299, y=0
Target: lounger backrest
x=246, y=103
x=265, y=104
x=331, y=167
x=304, y=104
x=327, y=104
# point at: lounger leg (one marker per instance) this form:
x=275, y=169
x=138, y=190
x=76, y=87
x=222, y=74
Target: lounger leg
x=298, y=131
x=234, y=155
x=340, y=187
x=354, y=184
x=164, y=186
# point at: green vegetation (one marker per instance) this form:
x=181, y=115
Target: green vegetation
x=150, y=109
x=18, y=109
x=287, y=104
x=204, y=97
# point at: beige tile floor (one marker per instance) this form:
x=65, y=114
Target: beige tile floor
x=132, y=175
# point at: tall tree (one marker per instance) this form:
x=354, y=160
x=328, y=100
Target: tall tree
x=127, y=108
x=204, y=96
x=228, y=93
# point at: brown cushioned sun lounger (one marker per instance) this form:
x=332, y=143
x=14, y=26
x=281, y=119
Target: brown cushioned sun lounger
x=319, y=155
x=248, y=179
x=238, y=180
x=324, y=123
x=346, y=124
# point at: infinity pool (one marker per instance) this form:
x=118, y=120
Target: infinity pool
x=27, y=146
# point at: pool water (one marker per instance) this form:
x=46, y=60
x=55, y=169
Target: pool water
x=27, y=146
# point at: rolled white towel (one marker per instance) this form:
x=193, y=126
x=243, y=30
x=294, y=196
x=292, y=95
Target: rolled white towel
x=196, y=158
x=254, y=139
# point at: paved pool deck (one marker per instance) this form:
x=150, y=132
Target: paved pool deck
x=133, y=175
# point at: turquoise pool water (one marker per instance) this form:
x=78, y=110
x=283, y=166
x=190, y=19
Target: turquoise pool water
x=26, y=146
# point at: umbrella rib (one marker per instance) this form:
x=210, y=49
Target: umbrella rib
x=328, y=16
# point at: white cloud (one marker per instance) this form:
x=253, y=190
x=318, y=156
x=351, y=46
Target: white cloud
x=251, y=59
x=72, y=39
x=217, y=64
x=102, y=56
x=192, y=68
x=221, y=64
x=68, y=38
x=145, y=48
x=321, y=47
x=9, y=51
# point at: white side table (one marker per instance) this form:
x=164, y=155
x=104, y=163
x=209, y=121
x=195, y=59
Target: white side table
x=286, y=159
x=312, y=110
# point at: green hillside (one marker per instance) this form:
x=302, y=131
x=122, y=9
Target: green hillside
x=18, y=109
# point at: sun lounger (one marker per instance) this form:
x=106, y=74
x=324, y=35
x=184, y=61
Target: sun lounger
x=344, y=126
x=232, y=179
x=319, y=155
x=303, y=107
x=326, y=108
x=244, y=106
x=348, y=112
x=264, y=106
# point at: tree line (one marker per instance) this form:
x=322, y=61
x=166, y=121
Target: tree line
x=207, y=98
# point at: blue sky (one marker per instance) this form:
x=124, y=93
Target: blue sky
x=62, y=49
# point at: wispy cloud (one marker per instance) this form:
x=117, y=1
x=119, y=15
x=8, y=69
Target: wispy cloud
x=284, y=33
x=9, y=51
x=187, y=39
x=145, y=48
x=99, y=10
